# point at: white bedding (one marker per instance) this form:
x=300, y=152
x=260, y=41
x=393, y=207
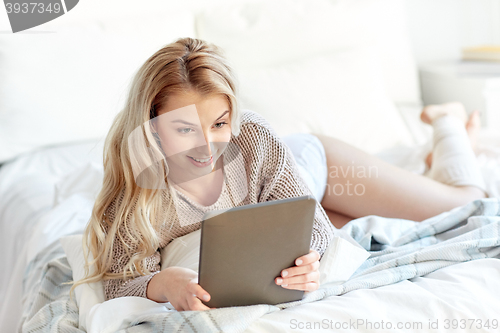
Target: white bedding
x=435, y=299
x=27, y=194
x=434, y=296
x=28, y=223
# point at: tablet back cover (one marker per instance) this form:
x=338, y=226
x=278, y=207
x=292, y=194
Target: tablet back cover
x=245, y=248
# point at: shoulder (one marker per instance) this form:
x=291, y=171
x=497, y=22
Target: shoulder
x=253, y=122
x=258, y=140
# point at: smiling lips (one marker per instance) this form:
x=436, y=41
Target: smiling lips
x=201, y=162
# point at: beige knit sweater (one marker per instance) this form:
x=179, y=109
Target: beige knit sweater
x=268, y=168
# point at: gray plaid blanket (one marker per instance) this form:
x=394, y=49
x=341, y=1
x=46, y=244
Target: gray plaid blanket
x=399, y=249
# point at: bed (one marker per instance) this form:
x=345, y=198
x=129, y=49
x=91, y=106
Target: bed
x=440, y=275
x=49, y=193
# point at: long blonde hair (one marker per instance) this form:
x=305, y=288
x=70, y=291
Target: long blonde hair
x=187, y=64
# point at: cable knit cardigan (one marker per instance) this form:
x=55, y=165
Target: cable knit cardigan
x=268, y=168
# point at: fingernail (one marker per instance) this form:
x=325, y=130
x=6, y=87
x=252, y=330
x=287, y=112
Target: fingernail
x=279, y=280
x=205, y=297
x=299, y=262
x=284, y=285
x=285, y=273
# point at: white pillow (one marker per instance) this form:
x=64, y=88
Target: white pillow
x=320, y=66
x=339, y=94
x=271, y=32
x=183, y=251
x=65, y=80
x=88, y=294
x=85, y=179
x=78, y=188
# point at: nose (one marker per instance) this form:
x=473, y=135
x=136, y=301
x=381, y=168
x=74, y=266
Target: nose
x=205, y=148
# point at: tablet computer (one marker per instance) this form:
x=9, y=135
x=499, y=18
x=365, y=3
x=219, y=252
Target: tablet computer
x=243, y=249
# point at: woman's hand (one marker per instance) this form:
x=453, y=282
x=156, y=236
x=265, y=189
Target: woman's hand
x=303, y=276
x=179, y=286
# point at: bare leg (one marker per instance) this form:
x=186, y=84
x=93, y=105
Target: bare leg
x=361, y=184
x=338, y=220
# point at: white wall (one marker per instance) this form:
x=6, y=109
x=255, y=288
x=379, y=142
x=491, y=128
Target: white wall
x=440, y=28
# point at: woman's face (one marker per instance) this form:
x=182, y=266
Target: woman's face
x=194, y=131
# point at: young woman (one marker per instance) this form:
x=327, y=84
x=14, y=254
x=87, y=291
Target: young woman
x=181, y=147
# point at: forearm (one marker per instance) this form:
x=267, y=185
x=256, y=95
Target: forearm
x=133, y=287
x=156, y=290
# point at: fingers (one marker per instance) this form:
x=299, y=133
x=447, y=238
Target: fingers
x=299, y=279
x=305, y=264
x=299, y=270
x=304, y=276
x=202, y=294
x=195, y=304
x=191, y=303
x=309, y=286
x=181, y=306
x=197, y=293
x=311, y=257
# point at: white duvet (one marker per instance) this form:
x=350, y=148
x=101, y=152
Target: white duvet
x=432, y=301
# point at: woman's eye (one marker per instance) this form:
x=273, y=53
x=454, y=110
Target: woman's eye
x=221, y=124
x=184, y=130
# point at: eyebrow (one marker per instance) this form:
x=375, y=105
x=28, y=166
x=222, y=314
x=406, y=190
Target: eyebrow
x=188, y=123
x=222, y=115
